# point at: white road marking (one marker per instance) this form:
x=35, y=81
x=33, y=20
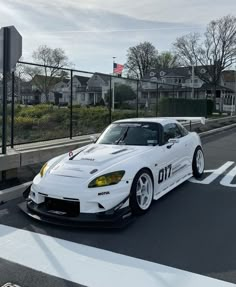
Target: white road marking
x=216, y=173
x=91, y=266
x=228, y=178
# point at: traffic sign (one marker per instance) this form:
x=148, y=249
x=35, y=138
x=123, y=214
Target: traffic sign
x=14, y=51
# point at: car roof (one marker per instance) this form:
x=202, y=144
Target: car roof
x=161, y=121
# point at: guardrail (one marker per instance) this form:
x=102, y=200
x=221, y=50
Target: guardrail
x=191, y=125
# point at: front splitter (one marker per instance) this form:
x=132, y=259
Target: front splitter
x=110, y=219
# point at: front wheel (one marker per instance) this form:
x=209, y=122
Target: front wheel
x=198, y=162
x=141, y=194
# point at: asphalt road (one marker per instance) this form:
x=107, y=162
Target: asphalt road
x=192, y=228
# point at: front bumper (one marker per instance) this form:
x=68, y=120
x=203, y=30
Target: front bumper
x=109, y=219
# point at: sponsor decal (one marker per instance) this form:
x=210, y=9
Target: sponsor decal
x=227, y=180
x=104, y=193
x=70, y=154
x=57, y=212
x=87, y=158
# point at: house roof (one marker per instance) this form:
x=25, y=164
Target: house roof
x=66, y=81
x=39, y=79
x=182, y=72
x=207, y=86
x=105, y=78
x=83, y=80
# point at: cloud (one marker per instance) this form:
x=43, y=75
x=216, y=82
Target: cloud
x=91, y=32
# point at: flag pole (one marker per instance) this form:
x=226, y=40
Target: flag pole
x=113, y=86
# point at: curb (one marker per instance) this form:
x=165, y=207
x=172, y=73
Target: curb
x=217, y=130
x=16, y=191
x=13, y=192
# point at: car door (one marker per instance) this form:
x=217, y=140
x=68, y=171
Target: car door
x=174, y=159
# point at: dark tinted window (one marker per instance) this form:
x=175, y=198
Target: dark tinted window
x=130, y=134
x=171, y=131
x=183, y=130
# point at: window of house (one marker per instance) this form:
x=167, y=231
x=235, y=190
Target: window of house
x=83, y=97
x=152, y=95
x=153, y=79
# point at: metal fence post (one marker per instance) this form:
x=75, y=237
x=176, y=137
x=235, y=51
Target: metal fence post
x=157, y=100
x=110, y=102
x=6, y=49
x=137, y=99
x=12, y=108
x=71, y=103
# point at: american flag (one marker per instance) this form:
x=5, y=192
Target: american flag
x=118, y=68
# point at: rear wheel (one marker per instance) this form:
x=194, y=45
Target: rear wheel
x=198, y=162
x=141, y=194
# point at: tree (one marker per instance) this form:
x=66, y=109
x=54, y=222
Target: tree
x=122, y=93
x=45, y=78
x=167, y=60
x=140, y=59
x=215, y=51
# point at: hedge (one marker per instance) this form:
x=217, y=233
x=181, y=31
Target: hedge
x=185, y=107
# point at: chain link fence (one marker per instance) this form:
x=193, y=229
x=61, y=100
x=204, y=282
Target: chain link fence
x=45, y=103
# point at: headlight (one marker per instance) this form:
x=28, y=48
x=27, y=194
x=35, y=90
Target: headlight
x=107, y=179
x=43, y=169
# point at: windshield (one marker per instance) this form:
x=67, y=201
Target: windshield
x=143, y=134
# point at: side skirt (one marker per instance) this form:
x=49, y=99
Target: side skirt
x=172, y=186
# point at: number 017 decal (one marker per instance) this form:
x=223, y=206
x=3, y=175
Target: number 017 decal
x=164, y=173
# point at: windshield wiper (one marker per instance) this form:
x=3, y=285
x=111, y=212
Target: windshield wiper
x=122, y=137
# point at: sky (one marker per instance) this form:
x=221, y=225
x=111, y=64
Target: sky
x=92, y=32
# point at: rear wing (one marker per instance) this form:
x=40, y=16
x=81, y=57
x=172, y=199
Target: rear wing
x=201, y=120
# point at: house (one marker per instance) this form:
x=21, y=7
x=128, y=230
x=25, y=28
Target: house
x=79, y=91
x=42, y=88
x=229, y=81
x=182, y=82
x=56, y=90
x=99, y=86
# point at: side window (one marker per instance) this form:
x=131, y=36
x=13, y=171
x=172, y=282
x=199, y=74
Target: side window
x=183, y=130
x=171, y=131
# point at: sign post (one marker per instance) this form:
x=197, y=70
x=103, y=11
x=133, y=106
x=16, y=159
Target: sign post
x=10, y=53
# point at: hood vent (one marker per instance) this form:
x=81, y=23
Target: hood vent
x=119, y=151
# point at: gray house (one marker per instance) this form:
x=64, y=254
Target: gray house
x=183, y=82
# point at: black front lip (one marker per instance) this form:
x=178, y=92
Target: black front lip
x=110, y=219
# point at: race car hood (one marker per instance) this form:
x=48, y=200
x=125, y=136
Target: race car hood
x=94, y=159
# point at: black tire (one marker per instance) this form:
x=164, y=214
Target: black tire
x=197, y=170
x=134, y=198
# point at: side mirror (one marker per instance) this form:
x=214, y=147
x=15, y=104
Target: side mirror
x=93, y=139
x=171, y=142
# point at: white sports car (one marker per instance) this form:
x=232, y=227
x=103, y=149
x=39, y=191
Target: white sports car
x=132, y=163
